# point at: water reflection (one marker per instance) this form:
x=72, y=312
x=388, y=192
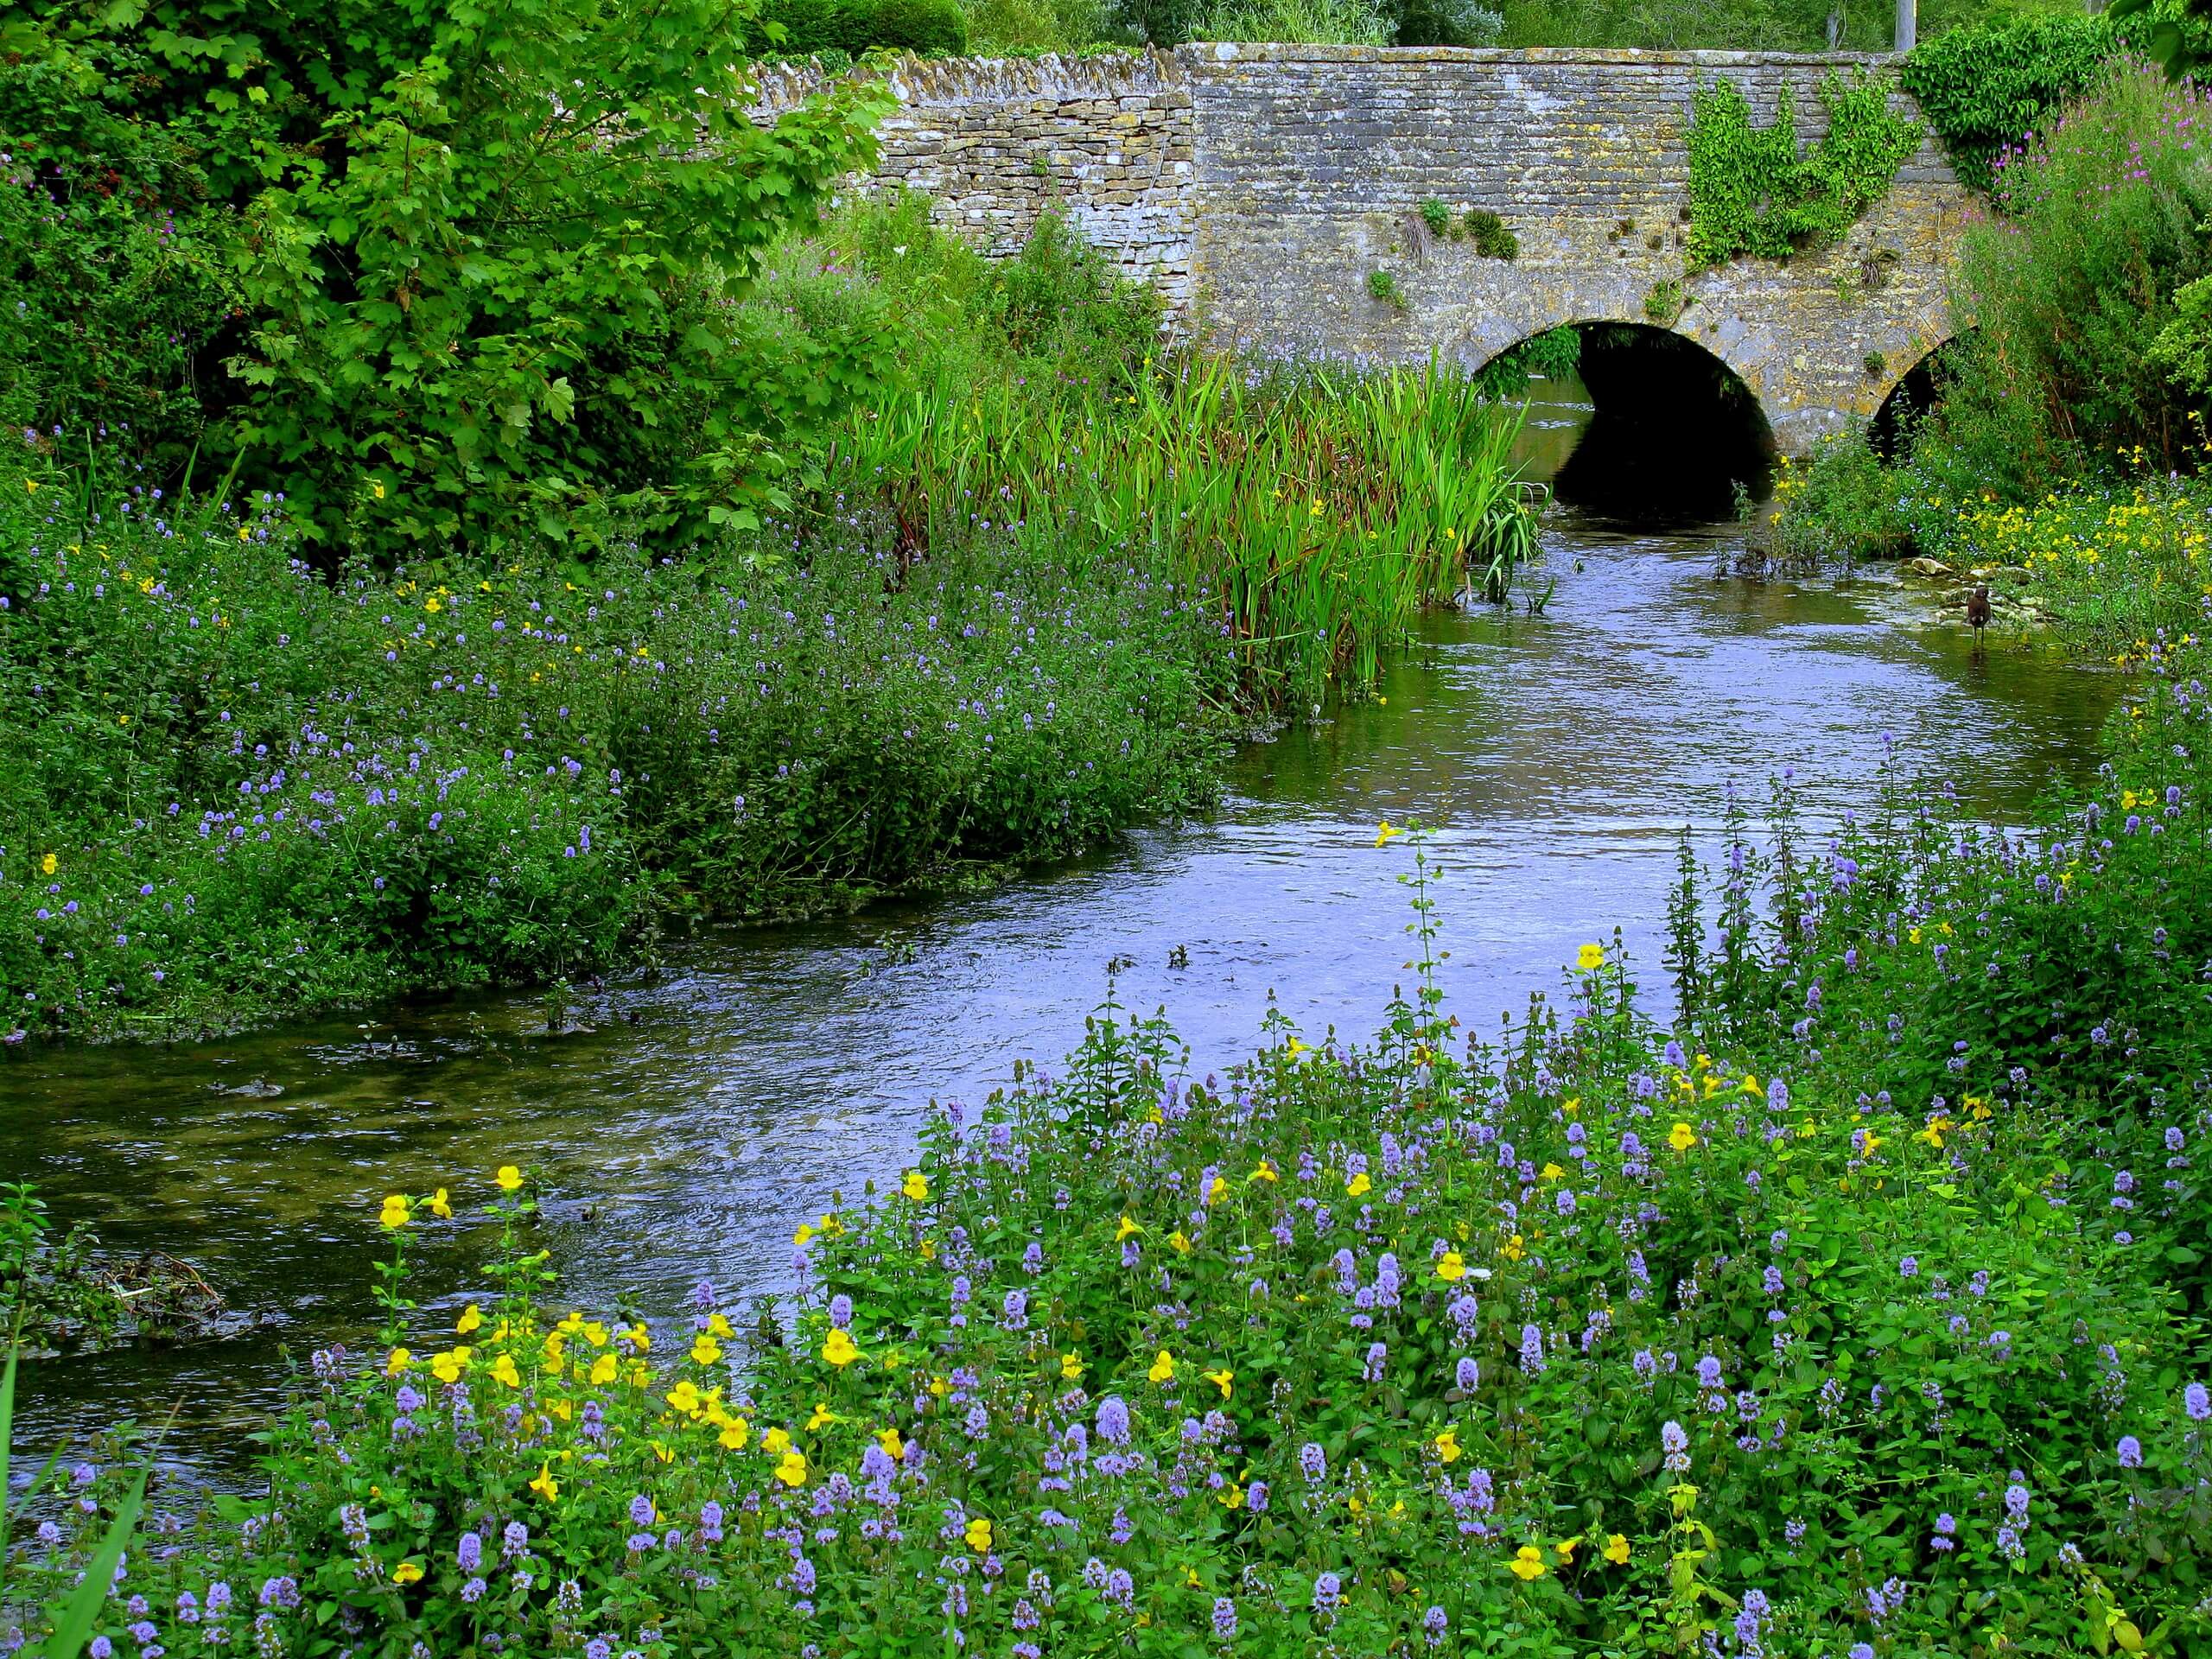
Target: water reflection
x=712, y=1108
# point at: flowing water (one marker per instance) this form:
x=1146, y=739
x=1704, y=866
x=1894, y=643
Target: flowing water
x=711, y=1108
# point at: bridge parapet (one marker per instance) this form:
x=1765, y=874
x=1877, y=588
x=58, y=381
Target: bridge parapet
x=1260, y=186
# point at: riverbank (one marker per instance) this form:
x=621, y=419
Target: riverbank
x=1588, y=1336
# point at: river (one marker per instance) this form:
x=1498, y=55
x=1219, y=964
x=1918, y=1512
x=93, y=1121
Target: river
x=712, y=1108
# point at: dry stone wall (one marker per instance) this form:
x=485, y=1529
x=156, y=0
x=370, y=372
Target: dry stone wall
x=1260, y=186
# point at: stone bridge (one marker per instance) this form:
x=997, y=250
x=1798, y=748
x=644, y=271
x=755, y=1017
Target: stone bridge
x=1260, y=188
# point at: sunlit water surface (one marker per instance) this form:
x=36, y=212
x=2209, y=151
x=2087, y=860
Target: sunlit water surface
x=711, y=1108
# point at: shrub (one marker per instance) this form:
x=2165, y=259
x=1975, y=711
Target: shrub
x=1492, y=237
x=1990, y=88
x=434, y=347
x=931, y=28
x=1842, y=501
x=2071, y=290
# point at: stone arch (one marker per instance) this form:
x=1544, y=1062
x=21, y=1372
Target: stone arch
x=1908, y=392
x=1676, y=435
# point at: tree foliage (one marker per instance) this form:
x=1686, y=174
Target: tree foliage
x=481, y=263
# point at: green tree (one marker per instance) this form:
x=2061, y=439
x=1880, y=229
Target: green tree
x=487, y=254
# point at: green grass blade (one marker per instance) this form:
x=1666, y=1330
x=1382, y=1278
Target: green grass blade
x=83, y=1611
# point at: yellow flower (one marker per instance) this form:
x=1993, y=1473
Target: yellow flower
x=1528, y=1564
x=822, y=1418
x=705, y=1351
x=545, y=1486
x=1566, y=1547
x=893, y=1448
x=916, y=1185
x=1551, y=1172
x=470, y=1320
x=1217, y=1191
x=1590, y=957
x=503, y=1370
x=1617, y=1549
x=448, y=1366
x=776, y=1442
x=441, y=1206
x=979, y=1535
x=394, y=1211
x=1452, y=1268
x=1682, y=1137
x=1515, y=1249
x=1264, y=1172
x=732, y=1437
x=603, y=1371
x=1359, y=1186
x=377, y=489
x=1163, y=1368
x=407, y=1572
x=1221, y=1380
x=791, y=1468
x=838, y=1350
x=1182, y=1244
x=49, y=864
x=509, y=1177
x=684, y=1396
x=801, y=1234
x=1386, y=834
x=1447, y=1446
x=1072, y=1368
x=398, y=1361
x=1126, y=1229
x=1231, y=1496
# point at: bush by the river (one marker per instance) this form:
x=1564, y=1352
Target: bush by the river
x=1873, y=1328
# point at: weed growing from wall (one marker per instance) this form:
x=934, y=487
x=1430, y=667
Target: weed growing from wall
x=1753, y=190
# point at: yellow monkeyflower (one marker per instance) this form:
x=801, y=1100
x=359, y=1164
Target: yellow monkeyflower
x=1551, y=1172
x=1182, y=1244
x=407, y=1572
x=1447, y=1446
x=603, y=1371
x=802, y=1233
x=47, y=865
x=1126, y=1229
x=979, y=1535
x=503, y=1370
x=509, y=1177
x=470, y=1320
x=1263, y=1172
x=1682, y=1137
x=1452, y=1266
x=838, y=1348
x=1528, y=1564
x=545, y=1486
x=1359, y=1186
x=377, y=489
x=705, y=1351
x=1072, y=1368
x=916, y=1185
x=1163, y=1368
x=395, y=1214
x=1386, y=833
x=791, y=1468
x=1221, y=1380
x=776, y=1442
x=822, y=1417
x=1590, y=957
x=441, y=1205
x=398, y=1361
x=448, y=1366
x=1566, y=1547
x=893, y=1448
x=732, y=1437
x=684, y=1396
x=1515, y=1249
x=1617, y=1549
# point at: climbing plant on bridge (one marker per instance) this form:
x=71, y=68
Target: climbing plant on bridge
x=1754, y=190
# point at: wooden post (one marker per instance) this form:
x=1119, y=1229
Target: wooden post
x=1908, y=25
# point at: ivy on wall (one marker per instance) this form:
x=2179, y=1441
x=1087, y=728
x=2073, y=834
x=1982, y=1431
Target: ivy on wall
x=1754, y=190
x=1986, y=87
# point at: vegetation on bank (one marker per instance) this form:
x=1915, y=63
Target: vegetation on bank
x=2062, y=445
x=1864, y=1315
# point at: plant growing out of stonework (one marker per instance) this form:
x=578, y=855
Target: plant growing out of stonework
x=1384, y=285
x=1437, y=217
x=1754, y=191
x=1665, y=304
x=1492, y=237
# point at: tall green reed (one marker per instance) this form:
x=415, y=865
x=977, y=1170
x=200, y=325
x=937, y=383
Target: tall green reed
x=1322, y=512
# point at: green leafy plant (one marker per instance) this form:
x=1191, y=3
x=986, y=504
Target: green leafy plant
x=1436, y=216
x=1492, y=239
x=1993, y=86
x=1665, y=304
x=1384, y=285
x=854, y=27
x=1754, y=191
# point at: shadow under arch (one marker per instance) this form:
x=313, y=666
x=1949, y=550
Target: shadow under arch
x=1914, y=397
x=1671, y=435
